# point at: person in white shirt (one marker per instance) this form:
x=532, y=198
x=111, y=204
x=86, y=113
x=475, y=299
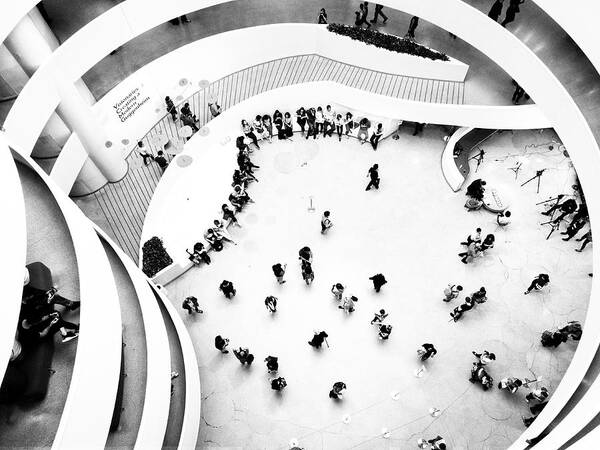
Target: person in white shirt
x=326, y=222
x=319, y=121
x=503, y=218
x=337, y=290
x=328, y=116
x=452, y=292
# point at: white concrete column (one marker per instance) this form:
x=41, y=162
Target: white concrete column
x=89, y=180
x=78, y=116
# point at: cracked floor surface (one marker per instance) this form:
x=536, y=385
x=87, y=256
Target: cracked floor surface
x=410, y=230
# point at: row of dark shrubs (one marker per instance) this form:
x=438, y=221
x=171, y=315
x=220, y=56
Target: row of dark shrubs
x=387, y=41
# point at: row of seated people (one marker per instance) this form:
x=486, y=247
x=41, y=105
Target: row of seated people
x=216, y=235
x=40, y=318
x=312, y=122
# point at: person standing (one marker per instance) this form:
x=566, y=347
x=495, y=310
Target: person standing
x=586, y=238
x=496, y=10
x=272, y=363
x=376, y=136
x=226, y=287
x=518, y=94
x=414, y=23
x=326, y=222
x=339, y=126
x=337, y=290
x=279, y=272
x=278, y=384
x=374, y=175
x=379, y=12
x=337, y=390
x=221, y=344
x=271, y=304
x=328, y=125
x=378, y=281
x=171, y=108
x=322, y=20
x=190, y=304
x=511, y=12
x=426, y=351
x=318, y=339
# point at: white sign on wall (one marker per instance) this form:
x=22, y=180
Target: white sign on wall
x=129, y=104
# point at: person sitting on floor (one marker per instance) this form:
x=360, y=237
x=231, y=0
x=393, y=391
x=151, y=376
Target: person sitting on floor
x=573, y=330
x=476, y=189
x=452, y=292
x=229, y=215
x=363, y=130
x=511, y=384
x=479, y=296
x=215, y=241
x=379, y=317
x=348, y=304
x=34, y=299
x=480, y=375
x=226, y=287
x=553, y=339
x=485, y=357
x=221, y=232
x=34, y=328
x=199, y=255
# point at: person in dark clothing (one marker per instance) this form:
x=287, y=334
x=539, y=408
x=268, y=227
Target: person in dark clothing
x=161, y=160
x=229, y=214
x=414, y=23
x=175, y=21
x=426, y=351
x=488, y=242
x=573, y=329
x=318, y=339
x=358, y=20
x=418, y=128
x=326, y=222
x=518, y=94
x=461, y=309
x=379, y=317
x=35, y=328
x=307, y=273
x=538, y=283
x=322, y=20
x=378, y=281
x=582, y=212
x=586, y=238
x=199, y=255
x=278, y=384
x=384, y=331
x=535, y=410
x=337, y=390
x=271, y=304
x=311, y=122
x=272, y=363
x=244, y=356
x=496, y=10
x=305, y=255
x=553, y=338
x=376, y=136
x=480, y=375
x=146, y=157
x=190, y=304
x=379, y=12
x=278, y=122
x=479, y=296
x=226, y=287
x=301, y=118
x=374, y=175
x=364, y=14
x=34, y=300
x=437, y=443
x=511, y=12
x=190, y=122
x=221, y=344
x=476, y=189
x=569, y=206
x=574, y=227
x=171, y=108
x=279, y=272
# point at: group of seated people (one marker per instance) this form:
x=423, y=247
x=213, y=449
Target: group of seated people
x=40, y=318
x=572, y=330
x=313, y=122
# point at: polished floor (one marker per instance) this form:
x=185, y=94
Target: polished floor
x=410, y=230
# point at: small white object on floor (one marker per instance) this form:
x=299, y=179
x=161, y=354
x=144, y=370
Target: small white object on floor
x=421, y=443
x=396, y=395
x=385, y=433
x=347, y=419
x=420, y=372
x=294, y=443
x=434, y=412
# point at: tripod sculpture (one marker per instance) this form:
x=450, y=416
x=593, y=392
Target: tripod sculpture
x=538, y=175
x=479, y=158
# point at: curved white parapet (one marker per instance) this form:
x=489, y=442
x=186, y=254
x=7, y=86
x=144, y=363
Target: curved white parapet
x=191, y=418
x=11, y=16
x=89, y=407
x=452, y=175
x=155, y=414
x=16, y=247
x=180, y=216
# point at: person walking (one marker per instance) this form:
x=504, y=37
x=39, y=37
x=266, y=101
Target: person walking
x=244, y=356
x=337, y=390
x=374, y=175
x=379, y=12
x=426, y=351
x=538, y=283
x=414, y=23
x=511, y=12
x=272, y=364
x=496, y=10
x=226, y=287
x=586, y=238
x=318, y=339
x=574, y=227
x=278, y=384
x=171, y=108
